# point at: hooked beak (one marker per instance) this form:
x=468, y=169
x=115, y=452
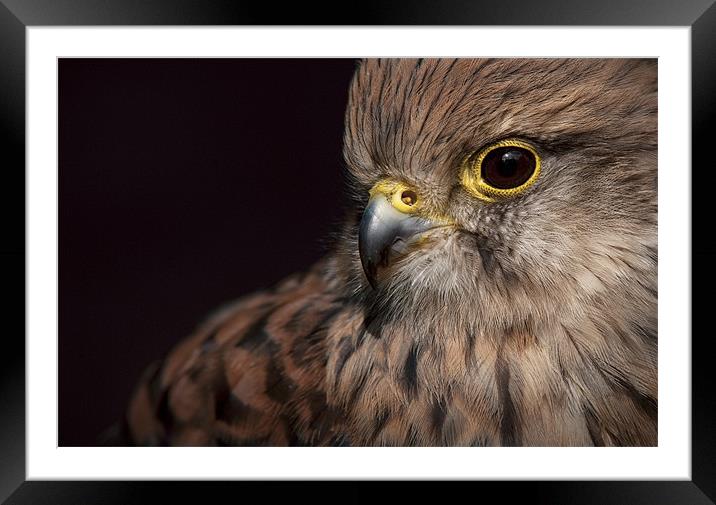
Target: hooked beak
x=385, y=230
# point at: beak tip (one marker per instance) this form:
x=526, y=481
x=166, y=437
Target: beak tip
x=370, y=275
x=370, y=268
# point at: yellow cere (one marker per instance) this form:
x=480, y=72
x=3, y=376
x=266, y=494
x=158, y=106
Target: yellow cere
x=402, y=197
x=472, y=178
x=407, y=200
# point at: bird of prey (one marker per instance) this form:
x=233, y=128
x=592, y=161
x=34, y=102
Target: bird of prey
x=494, y=284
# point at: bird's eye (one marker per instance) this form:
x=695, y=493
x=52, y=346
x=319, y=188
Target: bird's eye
x=507, y=167
x=503, y=169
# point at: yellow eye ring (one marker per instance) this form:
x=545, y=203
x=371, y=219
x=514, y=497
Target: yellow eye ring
x=481, y=177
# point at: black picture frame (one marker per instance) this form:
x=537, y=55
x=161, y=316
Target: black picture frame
x=17, y=15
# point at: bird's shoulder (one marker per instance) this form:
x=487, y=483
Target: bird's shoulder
x=252, y=374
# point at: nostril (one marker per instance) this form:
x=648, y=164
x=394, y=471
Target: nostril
x=408, y=197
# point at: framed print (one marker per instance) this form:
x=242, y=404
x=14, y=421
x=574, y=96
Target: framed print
x=269, y=238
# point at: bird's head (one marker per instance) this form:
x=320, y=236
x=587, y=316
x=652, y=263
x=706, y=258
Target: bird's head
x=503, y=190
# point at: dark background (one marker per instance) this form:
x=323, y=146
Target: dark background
x=183, y=184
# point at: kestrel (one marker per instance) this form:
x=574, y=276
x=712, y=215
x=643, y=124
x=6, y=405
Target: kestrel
x=495, y=282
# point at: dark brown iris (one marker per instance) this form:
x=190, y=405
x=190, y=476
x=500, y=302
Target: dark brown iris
x=508, y=167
